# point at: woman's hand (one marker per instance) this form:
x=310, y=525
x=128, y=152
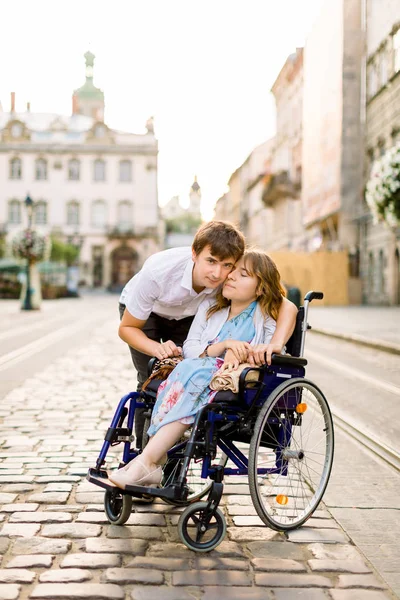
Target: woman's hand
x=239, y=349
x=167, y=350
x=230, y=363
x=261, y=353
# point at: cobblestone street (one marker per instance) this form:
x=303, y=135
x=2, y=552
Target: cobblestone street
x=56, y=541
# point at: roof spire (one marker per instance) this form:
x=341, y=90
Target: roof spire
x=88, y=100
x=89, y=61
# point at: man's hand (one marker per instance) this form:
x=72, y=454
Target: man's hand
x=262, y=353
x=239, y=349
x=167, y=350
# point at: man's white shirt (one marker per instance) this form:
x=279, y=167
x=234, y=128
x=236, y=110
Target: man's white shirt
x=164, y=286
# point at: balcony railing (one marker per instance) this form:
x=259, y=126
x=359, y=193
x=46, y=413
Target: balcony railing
x=123, y=231
x=279, y=185
x=120, y=231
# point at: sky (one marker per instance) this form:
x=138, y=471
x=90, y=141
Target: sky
x=203, y=69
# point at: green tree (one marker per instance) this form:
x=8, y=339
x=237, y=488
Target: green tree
x=185, y=224
x=62, y=252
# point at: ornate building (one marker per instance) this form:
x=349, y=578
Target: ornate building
x=91, y=185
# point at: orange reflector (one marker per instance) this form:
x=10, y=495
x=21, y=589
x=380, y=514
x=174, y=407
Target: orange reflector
x=301, y=408
x=282, y=499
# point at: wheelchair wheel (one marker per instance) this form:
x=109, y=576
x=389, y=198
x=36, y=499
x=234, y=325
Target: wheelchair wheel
x=291, y=454
x=200, y=532
x=117, y=506
x=198, y=487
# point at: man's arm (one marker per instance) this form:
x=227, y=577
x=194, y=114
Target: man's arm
x=285, y=325
x=130, y=330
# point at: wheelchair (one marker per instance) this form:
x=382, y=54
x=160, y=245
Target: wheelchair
x=277, y=430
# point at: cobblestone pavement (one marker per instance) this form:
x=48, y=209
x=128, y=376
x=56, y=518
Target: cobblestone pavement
x=56, y=542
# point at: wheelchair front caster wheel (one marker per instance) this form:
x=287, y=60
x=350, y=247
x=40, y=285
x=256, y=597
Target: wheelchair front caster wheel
x=199, y=530
x=118, y=507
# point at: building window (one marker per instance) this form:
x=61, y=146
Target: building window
x=74, y=170
x=16, y=130
x=14, y=212
x=370, y=161
x=99, y=213
x=381, y=272
x=381, y=147
x=41, y=168
x=125, y=215
x=73, y=213
x=396, y=51
x=371, y=274
x=395, y=135
x=99, y=170
x=383, y=68
x=125, y=170
x=372, y=80
x=100, y=130
x=41, y=213
x=15, y=168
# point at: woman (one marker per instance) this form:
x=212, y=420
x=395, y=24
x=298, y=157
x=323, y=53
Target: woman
x=234, y=329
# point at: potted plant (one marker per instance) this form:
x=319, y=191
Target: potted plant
x=29, y=245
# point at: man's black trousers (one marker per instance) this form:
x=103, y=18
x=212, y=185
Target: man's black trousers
x=158, y=329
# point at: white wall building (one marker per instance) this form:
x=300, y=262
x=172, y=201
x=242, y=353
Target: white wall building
x=257, y=219
x=91, y=185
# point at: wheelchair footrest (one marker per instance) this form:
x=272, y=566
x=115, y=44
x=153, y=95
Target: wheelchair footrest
x=100, y=478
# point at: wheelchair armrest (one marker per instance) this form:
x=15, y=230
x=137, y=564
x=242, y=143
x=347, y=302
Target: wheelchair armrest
x=286, y=359
x=243, y=375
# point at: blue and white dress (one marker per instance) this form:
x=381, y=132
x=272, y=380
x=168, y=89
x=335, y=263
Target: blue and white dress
x=187, y=389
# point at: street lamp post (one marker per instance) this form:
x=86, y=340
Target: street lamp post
x=27, y=305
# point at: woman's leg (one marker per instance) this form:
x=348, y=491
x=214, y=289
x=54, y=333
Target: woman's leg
x=158, y=445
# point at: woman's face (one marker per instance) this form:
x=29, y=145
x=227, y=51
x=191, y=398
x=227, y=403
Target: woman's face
x=240, y=285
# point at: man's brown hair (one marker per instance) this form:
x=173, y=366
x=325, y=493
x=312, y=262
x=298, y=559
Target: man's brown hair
x=224, y=239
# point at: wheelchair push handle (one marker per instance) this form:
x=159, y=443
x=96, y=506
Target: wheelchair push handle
x=313, y=296
x=309, y=297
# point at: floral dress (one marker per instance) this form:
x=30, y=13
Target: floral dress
x=187, y=389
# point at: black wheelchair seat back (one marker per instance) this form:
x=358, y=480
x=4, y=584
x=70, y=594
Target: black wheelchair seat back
x=293, y=345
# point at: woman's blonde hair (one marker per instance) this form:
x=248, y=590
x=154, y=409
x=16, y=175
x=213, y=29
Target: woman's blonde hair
x=269, y=291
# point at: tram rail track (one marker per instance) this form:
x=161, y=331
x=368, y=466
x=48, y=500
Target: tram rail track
x=367, y=439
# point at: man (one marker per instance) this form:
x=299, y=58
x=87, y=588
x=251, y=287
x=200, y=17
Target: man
x=158, y=304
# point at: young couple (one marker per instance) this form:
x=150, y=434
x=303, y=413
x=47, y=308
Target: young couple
x=241, y=316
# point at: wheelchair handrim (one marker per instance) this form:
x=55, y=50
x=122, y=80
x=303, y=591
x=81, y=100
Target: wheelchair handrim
x=281, y=511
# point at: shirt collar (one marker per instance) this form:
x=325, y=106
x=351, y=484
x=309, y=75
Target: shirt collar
x=187, y=280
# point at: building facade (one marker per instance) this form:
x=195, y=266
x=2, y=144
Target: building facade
x=256, y=218
x=242, y=204
x=282, y=189
x=91, y=185
x=380, y=244
x=333, y=134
